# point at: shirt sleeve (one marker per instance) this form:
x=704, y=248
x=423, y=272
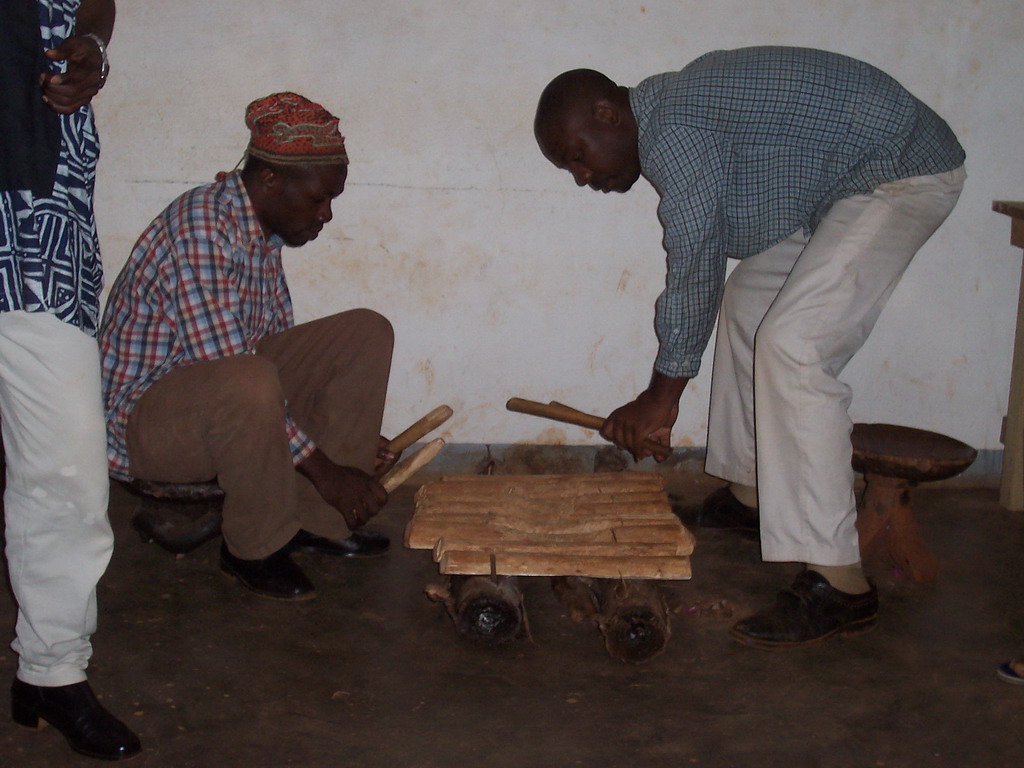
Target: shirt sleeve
x=208, y=318
x=688, y=168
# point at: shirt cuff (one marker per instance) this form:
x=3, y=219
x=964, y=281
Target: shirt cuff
x=676, y=369
x=299, y=443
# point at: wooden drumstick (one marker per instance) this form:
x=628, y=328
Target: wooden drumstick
x=568, y=409
x=428, y=423
x=567, y=415
x=404, y=469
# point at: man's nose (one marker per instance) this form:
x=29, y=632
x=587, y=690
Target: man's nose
x=581, y=176
x=326, y=214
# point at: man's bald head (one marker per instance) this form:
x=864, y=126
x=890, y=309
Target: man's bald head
x=572, y=92
x=585, y=125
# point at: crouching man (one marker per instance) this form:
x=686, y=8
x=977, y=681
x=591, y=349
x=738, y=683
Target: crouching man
x=206, y=376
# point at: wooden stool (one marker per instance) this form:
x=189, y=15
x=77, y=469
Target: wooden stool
x=177, y=516
x=894, y=459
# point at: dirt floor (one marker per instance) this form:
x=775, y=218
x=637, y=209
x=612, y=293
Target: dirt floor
x=371, y=674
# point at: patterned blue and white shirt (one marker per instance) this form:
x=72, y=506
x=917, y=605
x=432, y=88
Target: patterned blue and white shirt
x=746, y=147
x=49, y=252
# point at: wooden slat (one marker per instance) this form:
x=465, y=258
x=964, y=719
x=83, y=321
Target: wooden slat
x=492, y=509
x=600, y=482
x=627, y=534
x=527, y=564
x=567, y=505
x=557, y=546
x=423, y=534
x=426, y=536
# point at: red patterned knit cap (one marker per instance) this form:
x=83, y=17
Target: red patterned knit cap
x=290, y=129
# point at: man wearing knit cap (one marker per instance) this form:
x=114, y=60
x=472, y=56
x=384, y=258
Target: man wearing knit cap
x=206, y=376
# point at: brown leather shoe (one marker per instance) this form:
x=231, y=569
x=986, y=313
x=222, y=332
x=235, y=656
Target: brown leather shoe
x=808, y=612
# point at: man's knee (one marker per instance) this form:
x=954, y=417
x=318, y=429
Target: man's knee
x=359, y=333
x=778, y=343
x=250, y=387
x=372, y=324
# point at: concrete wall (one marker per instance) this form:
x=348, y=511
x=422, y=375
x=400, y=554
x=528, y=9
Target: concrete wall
x=501, y=277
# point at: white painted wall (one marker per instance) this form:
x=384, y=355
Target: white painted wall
x=500, y=276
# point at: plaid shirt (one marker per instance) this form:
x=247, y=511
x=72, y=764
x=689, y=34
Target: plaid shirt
x=745, y=147
x=202, y=283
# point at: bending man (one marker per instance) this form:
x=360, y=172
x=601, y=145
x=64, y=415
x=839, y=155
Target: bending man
x=824, y=177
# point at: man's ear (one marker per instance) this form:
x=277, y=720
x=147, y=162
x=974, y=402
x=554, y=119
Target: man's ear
x=607, y=112
x=267, y=178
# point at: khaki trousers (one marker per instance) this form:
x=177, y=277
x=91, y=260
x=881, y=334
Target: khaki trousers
x=225, y=419
x=791, y=319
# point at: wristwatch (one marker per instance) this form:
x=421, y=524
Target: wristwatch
x=105, y=66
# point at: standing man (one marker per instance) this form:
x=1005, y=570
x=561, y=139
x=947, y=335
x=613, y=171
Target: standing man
x=53, y=62
x=205, y=377
x=824, y=177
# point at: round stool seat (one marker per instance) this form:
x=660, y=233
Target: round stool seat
x=912, y=454
x=183, y=491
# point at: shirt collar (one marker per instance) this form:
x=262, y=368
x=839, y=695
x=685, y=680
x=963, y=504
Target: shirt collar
x=641, y=101
x=248, y=221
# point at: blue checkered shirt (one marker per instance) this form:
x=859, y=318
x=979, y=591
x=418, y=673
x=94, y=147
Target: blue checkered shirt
x=746, y=147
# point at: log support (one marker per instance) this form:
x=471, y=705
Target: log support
x=630, y=613
x=486, y=609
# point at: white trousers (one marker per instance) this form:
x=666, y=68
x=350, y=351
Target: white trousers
x=55, y=506
x=791, y=319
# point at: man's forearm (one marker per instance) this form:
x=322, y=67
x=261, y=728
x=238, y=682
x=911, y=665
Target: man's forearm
x=96, y=17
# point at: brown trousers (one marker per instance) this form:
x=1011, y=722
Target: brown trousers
x=225, y=419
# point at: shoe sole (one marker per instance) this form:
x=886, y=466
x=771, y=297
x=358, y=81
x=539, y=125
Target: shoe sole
x=268, y=595
x=28, y=718
x=312, y=548
x=847, y=630
x=1007, y=675
x=346, y=556
x=108, y=758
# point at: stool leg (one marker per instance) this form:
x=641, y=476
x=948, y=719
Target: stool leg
x=873, y=512
x=906, y=545
x=887, y=518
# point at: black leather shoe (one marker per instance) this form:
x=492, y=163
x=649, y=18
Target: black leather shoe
x=808, y=612
x=359, y=544
x=275, y=576
x=723, y=510
x=74, y=711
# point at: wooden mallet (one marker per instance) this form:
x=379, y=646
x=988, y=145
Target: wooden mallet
x=404, y=469
x=428, y=423
x=565, y=414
